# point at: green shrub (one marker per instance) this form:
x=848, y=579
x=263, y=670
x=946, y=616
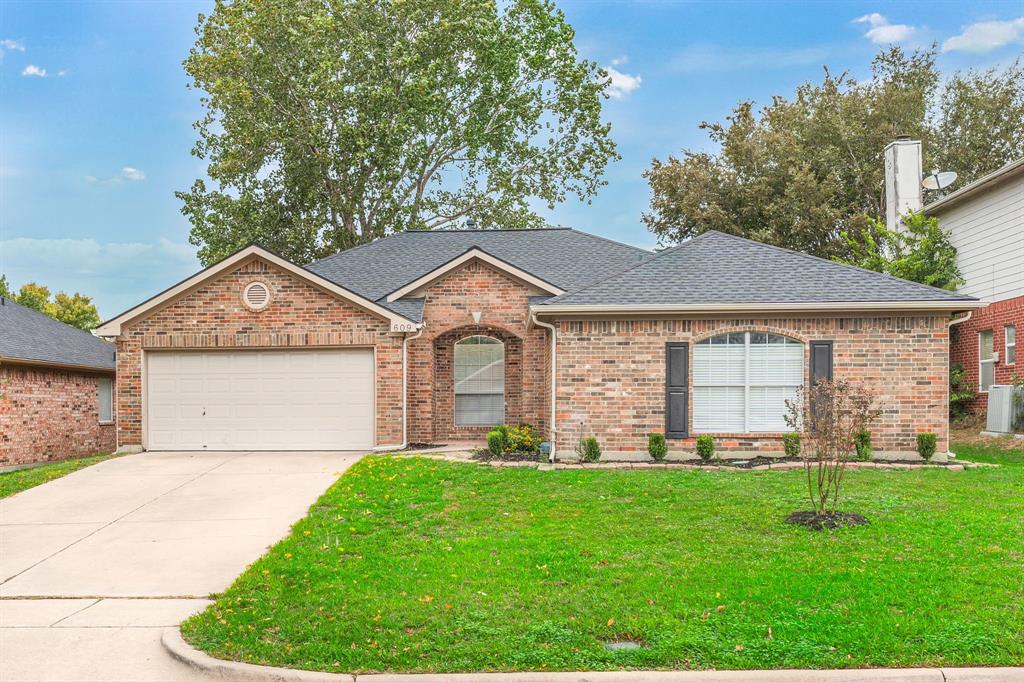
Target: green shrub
x=791, y=444
x=705, y=447
x=657, y=448
x=590, y=449
x=495, y=443
x=863, y=442
x=960, y=392
x=503, y=430
x=522, y=438
x=926, y=445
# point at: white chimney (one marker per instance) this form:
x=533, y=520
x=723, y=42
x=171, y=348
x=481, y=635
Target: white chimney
x=903, y=169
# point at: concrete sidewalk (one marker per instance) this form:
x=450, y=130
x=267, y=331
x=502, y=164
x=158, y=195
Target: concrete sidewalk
x=94, y=566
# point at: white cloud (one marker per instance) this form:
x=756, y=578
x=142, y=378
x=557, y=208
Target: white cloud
x=117, y=275
x=132, y=174
x=985, y=36
x=127, y=174
x=716, y=59
x=621, y=85
x=33, y=70
x=619, y=61
x=8, y=45
x=882, y=32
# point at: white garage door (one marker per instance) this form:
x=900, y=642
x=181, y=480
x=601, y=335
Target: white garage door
x=260, y=400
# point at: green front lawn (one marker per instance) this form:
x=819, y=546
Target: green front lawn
x=12, y=482
x=420, y=565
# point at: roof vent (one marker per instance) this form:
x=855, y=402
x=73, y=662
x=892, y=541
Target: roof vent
x=256, y=296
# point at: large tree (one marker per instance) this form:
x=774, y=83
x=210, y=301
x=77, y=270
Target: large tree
x=807, y=168
x=332, y=122
x=74, y=309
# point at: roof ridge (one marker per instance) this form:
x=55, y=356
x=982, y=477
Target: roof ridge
x=954, y=295
x=609, y=240
x=657, y=256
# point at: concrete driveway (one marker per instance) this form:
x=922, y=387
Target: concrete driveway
x=94, y=565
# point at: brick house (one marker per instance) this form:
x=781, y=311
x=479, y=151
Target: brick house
x=437, y=336
x=56, y=389
x=985, y=222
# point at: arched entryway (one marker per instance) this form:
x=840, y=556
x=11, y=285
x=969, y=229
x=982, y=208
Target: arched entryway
x=478, y=375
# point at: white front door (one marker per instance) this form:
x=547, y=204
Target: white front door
x=260, y=400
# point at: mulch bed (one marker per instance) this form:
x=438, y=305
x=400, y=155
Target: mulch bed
x=830, y=520
x=484, y=455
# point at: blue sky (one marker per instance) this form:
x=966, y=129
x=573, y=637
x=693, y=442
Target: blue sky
x=96, y=119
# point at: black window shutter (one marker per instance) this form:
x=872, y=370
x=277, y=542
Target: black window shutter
x=821, y=361
x=677, y=381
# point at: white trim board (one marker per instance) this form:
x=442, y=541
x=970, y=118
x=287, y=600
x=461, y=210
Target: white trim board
x=724, y=308
x=469, y=255
x=112, y=327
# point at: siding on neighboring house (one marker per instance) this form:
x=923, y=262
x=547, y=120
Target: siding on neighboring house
x=988, y=233
x=987, y=229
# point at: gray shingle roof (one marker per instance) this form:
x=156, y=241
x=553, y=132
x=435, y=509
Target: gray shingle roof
x=563, y=257
x=26, y=334
x=721, y=268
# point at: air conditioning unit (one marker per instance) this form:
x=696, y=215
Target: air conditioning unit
x=1001, y=408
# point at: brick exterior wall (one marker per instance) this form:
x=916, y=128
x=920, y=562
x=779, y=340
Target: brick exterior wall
x=50, y=414
x=503, y=304
x=610, y=373
x=611, y=377
x=298, y=316
x=964, y=345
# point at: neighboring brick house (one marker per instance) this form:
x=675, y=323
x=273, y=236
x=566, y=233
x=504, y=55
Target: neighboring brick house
x=985, y=222
x=437, y=336
x=56, y=389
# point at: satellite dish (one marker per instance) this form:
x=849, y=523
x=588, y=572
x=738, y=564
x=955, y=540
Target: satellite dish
x=939, y=180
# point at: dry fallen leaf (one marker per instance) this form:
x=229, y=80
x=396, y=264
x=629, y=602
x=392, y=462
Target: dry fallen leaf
x=611, y=622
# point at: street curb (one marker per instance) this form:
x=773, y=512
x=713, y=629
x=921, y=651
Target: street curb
x=182, y=651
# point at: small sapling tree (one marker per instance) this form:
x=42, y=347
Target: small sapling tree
x=829, y=417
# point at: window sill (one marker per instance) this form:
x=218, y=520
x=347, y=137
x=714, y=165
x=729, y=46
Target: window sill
x=106, y=423
x=734, y=434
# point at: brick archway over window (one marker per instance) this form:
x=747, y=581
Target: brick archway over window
x=444, y=381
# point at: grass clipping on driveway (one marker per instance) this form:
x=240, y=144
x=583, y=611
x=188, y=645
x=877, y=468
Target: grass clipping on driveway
x=428, y=566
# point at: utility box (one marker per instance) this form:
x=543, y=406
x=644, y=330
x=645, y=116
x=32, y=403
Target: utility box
x=1002, y=408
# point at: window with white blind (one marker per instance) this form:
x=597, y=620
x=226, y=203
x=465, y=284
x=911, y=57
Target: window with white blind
x=479, y=381
x=1010, y=342
x=105, y=388
x=742, y=380
x=986, y=361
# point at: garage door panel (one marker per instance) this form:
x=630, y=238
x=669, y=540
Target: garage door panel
x=271, y=400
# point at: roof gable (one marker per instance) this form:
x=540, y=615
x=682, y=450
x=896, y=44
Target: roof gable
x=113, y=326
x=563, y=258
x=30, y=336
x=719, y=270
x=474, y=253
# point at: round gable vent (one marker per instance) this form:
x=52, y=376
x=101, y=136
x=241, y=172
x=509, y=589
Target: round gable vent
x=256, y=296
